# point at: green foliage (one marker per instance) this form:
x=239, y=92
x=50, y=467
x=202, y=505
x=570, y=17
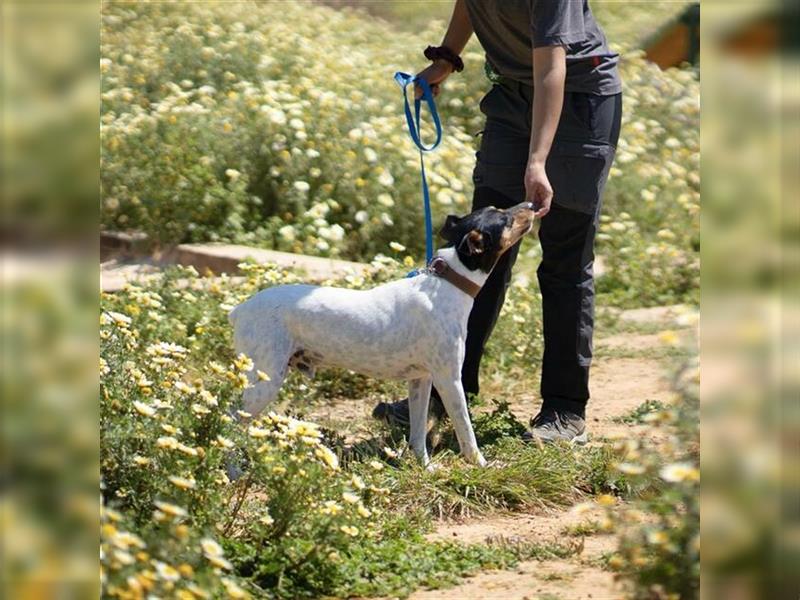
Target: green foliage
x=300, y=521
x=642, y=413
x=260, y=124
x=659, y=534
x=521, y=476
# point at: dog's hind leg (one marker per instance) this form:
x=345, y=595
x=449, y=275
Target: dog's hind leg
x=274, y=362
x=419, y=394
x=270, y=355
x=455, y=403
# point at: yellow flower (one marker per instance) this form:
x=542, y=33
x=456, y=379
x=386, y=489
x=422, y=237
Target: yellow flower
x=350, y=497
x=679, y=472
x=167, y=442
x=141, y=460
x=170, y=509
x=234, y=591
x=185, y=483
x=616, y=562
x=211, y=547
x=208, y=398
x=327, y=457
x=216, y=368
x=331, y=507
x=374, y=464
x=225, y=442
x=630, y=468
x=262, y=376
x=220, y=562
x=109, y=316
x=669, y=337
x=657, y=538
x=144, y=409
x=167, y=572
x=363, y=511
x=257, y=432
x=278, y=470
x=397, y=247
x=357, y=482
x=606, y=500
x=182, y=387
x=188, y=450
x=349, y=530
x=186, y=570
x=199, y=409
x=243, y=363
x=408, y=261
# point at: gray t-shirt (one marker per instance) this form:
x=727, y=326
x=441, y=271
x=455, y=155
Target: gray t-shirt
x=508, y=30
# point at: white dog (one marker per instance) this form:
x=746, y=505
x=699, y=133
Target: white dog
x=413, y=329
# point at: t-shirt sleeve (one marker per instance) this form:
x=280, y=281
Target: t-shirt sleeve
x=557, y=22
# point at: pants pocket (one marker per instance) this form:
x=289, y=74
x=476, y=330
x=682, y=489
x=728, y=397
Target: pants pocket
x=508, y=181
x=578, y=174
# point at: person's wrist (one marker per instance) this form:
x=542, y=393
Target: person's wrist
x=446, y=64
x=434, y=53
x=536, y=162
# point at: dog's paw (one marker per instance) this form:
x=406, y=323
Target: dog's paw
x=433, y=467
x=477, y=459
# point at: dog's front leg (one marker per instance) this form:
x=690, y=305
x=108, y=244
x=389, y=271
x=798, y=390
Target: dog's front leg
x=455, y=402
x=419, y=394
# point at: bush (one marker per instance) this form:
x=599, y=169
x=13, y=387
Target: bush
x=659, y=535
x=297, y=523
x=263, y=124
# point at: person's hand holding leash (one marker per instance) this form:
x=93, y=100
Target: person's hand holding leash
x=537, y=188
x=434, y=74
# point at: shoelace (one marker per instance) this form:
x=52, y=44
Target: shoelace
x=543, y=419
x=558, y=420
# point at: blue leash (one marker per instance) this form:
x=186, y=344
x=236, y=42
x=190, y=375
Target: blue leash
x=404, y=80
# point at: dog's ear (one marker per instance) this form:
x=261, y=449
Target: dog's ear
x=473, y=243
x=448, y=229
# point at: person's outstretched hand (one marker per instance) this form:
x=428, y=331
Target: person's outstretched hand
x=434, y=74
x=537, y=188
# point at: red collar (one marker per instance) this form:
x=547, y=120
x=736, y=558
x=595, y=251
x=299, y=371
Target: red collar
x=439, y=267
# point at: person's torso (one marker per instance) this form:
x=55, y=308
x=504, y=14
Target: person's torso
x=504, y=29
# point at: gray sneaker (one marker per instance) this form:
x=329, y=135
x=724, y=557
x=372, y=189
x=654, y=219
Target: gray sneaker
x=557, y=426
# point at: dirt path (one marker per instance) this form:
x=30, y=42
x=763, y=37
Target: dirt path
x=629, y=369
x=619, y=385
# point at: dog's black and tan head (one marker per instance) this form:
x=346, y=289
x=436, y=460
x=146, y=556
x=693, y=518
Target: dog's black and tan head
x=481, y=237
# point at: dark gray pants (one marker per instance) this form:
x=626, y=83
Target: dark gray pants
x=577, y=167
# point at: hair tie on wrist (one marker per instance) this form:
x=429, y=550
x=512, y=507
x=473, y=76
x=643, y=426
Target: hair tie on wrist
x=444, y=53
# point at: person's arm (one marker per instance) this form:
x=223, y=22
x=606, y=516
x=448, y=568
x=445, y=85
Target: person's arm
x=549, y=73
x=460, y=29
x=458, y=33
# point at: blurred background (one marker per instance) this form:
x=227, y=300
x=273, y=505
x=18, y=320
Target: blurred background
x=53, y=100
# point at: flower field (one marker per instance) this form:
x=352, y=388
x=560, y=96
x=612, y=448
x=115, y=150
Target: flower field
x=265, y=124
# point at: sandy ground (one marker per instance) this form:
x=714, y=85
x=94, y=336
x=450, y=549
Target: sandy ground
x=619, y=385
x=626, y=372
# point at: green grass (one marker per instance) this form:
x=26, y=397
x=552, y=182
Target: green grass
x=583, y=529
x=520, y=477
x=658, y=352
x=400, y=561
x=638, y=414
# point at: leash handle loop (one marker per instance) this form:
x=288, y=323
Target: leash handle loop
x=413, y=121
